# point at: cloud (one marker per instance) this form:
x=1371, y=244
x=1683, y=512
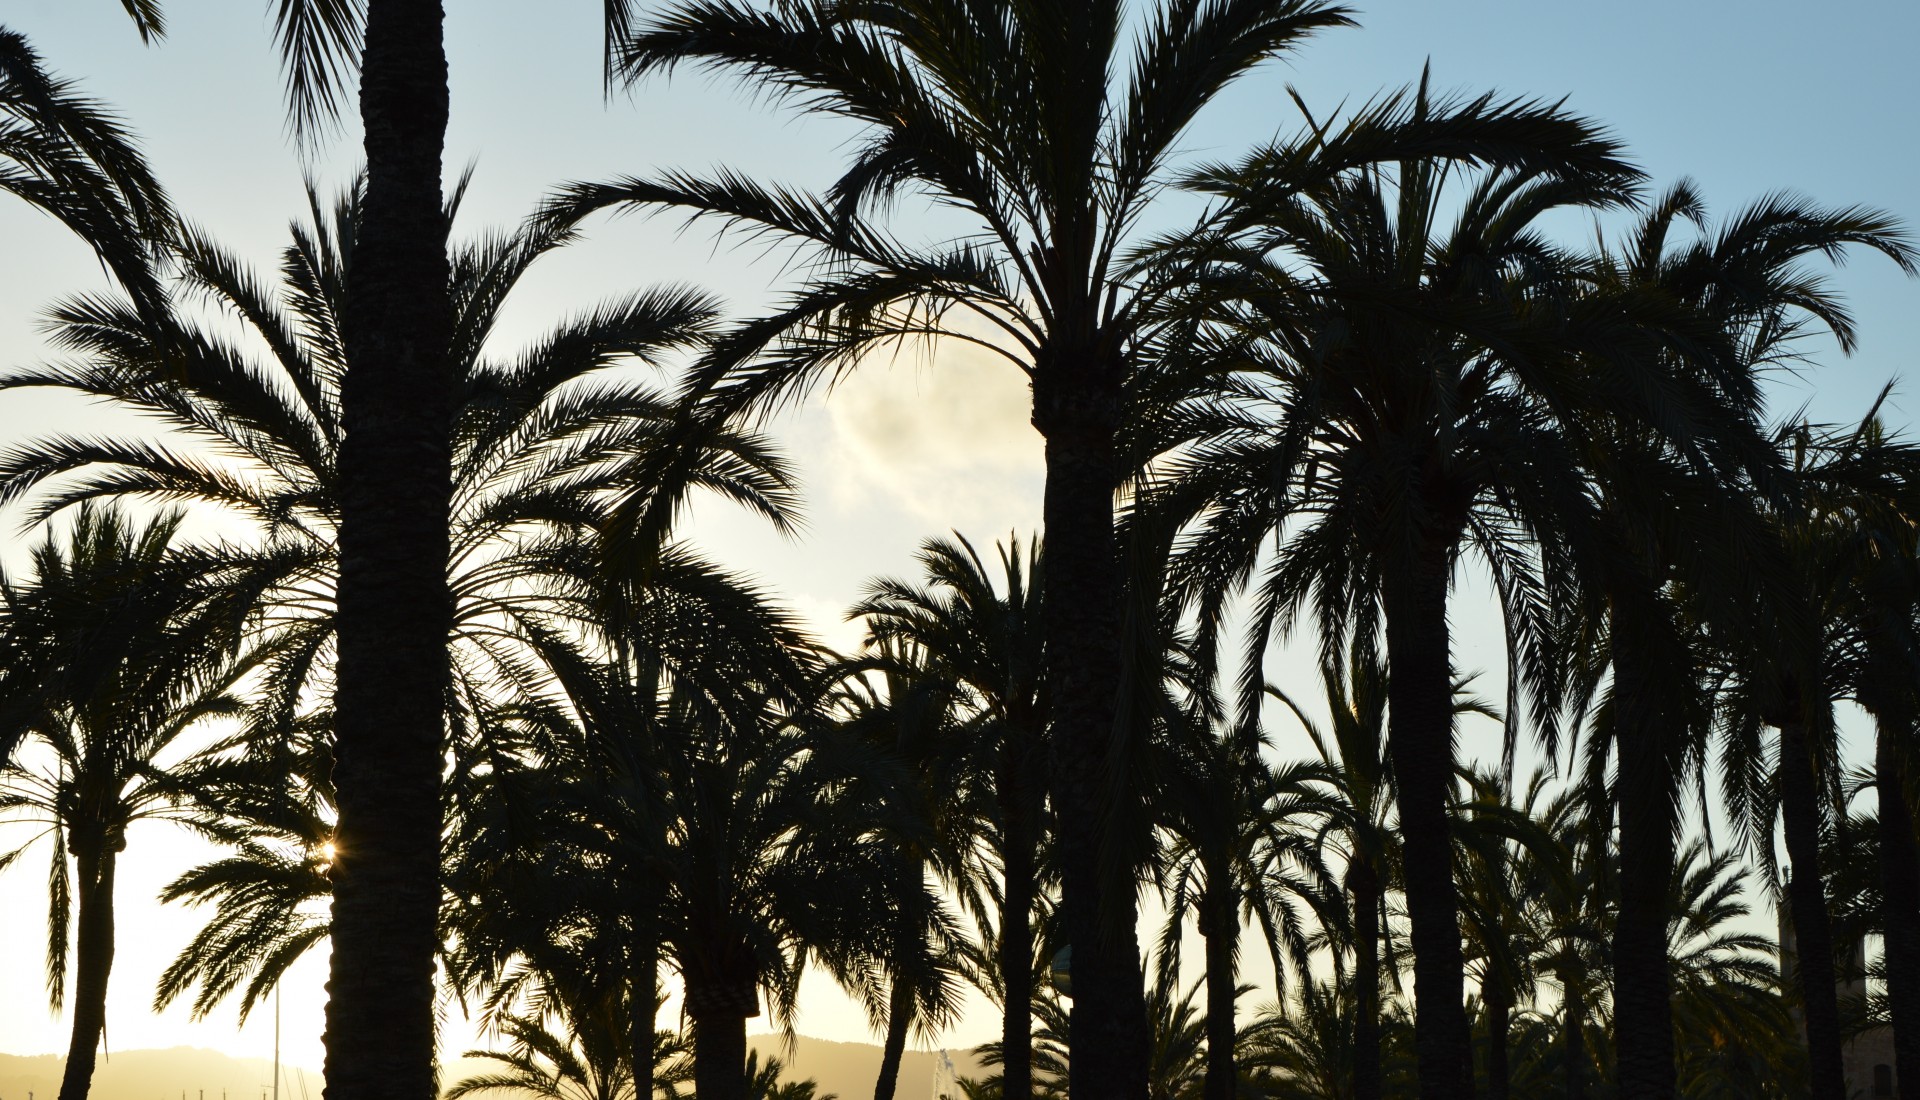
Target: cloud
x=944, y=437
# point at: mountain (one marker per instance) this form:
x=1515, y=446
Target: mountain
x=845, y=1069
x=848, y=1070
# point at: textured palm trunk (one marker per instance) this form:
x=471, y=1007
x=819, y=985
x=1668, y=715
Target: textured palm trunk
x=720, y=1056
x=643, y=995
x=1812, y=927
x=394, y=607
x=1077, y=409
x=1420, y=709
x=92, y=965
x=1220, y=925
x=1900, y=881
x=899, y=1016
x=1499, y=1004
x=1643, y=1017
x=1018, y=803
x=1365, y=883
x=722, y=994
x=1573, y=1043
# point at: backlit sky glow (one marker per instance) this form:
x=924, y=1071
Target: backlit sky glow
x=1744, y=96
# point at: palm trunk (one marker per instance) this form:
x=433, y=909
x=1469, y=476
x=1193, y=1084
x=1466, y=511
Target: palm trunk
x=1420, y=708
x=1365, y=883
x=722, y=994
x=92, y=964
x=1643, y=1016
x=1499, y=1004
x=1812, y=929
x=1077, y=408
x=394, y=606
x=1573, y=1042
x=1900, y=879
x=1020, y=822
x=643, y=996
x=1220, y=926
x=899, y=1015
x=720, y=1056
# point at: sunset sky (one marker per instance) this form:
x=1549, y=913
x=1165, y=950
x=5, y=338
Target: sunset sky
x=1744, y=96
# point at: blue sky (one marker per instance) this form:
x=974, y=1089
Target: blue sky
x=1745, y=96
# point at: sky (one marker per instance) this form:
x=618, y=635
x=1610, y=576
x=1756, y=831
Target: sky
x=1746, y=97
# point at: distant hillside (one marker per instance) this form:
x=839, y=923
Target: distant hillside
x=849, y=1069
x=845, y=1069
x=159, y=1075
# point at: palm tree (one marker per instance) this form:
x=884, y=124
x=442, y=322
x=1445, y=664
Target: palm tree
x=1237, y=843
x=545, y=441
x=1746, y=293
x=763, y=1082
x=124, y=646
x=1028, y=120
x=589, y=1060
x=1868, y=479
x=921, y=805
x=694, y=816
x=1356, y=826
x=984, y=635
x=271, y=803
x=1400, y=395
x=1788, y=660
x=395, y=496
x=1307, y=1050
x=1732, y=1027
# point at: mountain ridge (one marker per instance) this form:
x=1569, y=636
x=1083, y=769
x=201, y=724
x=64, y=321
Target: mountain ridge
x=846, y=1070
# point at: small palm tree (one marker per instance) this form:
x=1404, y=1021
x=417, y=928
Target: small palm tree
x=587, y=1060
x=919, y=798
x=117, y=649
x=979, y=628
x=1307, y=1050
x=271, y=803
x=1238, y=846
x=764, y=1083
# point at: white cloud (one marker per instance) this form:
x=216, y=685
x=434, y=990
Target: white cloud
x=944, y=437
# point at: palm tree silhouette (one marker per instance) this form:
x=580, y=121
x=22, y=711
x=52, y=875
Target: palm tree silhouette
x=1398, y=402
x=982, y=632
x=117, y=648
x=1746, y=297
x=1030, y=122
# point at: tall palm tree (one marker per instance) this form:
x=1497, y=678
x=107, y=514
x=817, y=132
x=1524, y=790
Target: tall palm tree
x=396, y=486
x=982, y=632
x=545, y=439
x=1787, y=661
x=124, y=646
x=1030, y=121
x=1398, y=398
x=1746, y=296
